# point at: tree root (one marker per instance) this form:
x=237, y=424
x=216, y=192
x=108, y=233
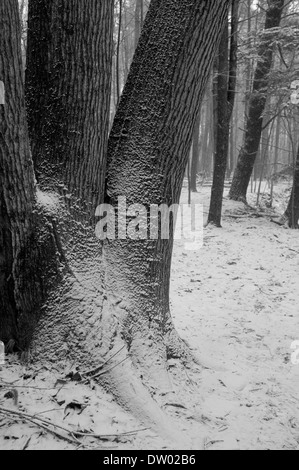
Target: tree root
x=127, y=387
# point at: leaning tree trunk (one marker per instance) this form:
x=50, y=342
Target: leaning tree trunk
x=292, y=212
x=68, y=80
x=254, y=123
x=148, y=152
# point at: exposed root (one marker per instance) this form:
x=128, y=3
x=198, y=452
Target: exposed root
x=127, y=386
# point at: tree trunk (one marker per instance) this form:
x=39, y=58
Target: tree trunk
x=292, y=212
x=15, y=204
x=138, y=19
x=277, y=145
x=221, y=132
x=68, y=69
x=195, y=156
x=205, y=136
x=22, y=253
x=212, y=134
x=148, y=152
x=225, y=97
x=118, y=47
x=86, y=318
x=248, y=62
x=257, y=104
x=231, y=147
x=68, y=81
x=126, y=43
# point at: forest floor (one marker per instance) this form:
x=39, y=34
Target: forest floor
x=235, y=302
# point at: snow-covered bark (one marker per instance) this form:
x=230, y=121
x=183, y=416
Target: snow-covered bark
x=147, y=155
x=68, y=81
x=16, y=180
x=83, y=318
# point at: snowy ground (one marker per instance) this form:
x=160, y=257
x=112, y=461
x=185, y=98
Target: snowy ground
x=235, y=302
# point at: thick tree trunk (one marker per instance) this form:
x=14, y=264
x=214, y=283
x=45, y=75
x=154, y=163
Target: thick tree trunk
x=68, y=69
x=16, y=173
x=149, y=146
x=22, y=269
x=68, y=80
x=148, y=152
x=225, y=96
x=257, y=104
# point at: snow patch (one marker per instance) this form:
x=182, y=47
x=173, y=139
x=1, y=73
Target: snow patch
x=48, y=201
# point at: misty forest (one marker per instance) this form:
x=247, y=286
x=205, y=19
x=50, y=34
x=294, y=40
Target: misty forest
x=149, y=216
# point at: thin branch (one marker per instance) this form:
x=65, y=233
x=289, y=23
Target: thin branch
x=45, y=425
x=97, y=369
x=272, y=119
x=41, y=423
x=105, y=371
x=281, y=56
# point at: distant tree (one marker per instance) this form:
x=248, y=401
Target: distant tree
x=292, y=212
x=195, y=156
x=256, y=107
x=139, y=18
x=225, y=97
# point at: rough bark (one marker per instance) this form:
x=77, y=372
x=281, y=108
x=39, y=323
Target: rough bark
x=68, y=69
x=225, y=97
x=254, y=123
x=68, y=80
x=22, y=285
x=147, y=155
x=16, y=197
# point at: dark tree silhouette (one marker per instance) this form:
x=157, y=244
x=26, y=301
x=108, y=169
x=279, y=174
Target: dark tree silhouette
x=257, y=103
